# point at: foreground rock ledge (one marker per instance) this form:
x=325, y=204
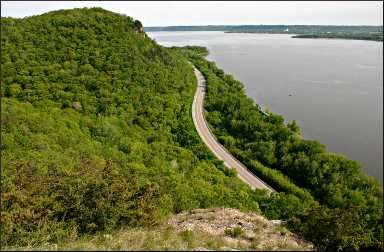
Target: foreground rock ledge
x=253, y=231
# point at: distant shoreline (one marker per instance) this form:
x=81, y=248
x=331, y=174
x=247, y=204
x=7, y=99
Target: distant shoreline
x=334, y=36
x=378, y=37
x=286, y=29
x=344, y=36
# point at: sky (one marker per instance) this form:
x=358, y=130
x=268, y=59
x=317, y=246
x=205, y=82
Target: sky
x=219, y=12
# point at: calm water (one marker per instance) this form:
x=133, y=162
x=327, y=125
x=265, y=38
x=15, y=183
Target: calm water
x=336, y=86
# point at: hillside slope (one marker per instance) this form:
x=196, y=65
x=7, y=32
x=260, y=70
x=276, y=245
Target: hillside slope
x=97, y=136
x=96, y=130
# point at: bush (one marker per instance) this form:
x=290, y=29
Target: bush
x=234, y=232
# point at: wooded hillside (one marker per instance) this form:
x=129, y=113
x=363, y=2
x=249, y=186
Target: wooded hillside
x=97, y=132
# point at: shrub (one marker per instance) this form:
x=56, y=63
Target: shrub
x=234, y=232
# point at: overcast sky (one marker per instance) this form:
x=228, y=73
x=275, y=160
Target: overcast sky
x=225, y=13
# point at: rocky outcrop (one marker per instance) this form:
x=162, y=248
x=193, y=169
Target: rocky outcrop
x=249, y=230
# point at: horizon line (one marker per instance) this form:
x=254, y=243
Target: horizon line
x=153, y=26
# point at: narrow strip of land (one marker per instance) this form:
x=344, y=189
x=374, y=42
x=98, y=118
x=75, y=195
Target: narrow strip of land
x=210, y=140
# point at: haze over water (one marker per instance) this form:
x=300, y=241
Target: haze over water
x=332, y=88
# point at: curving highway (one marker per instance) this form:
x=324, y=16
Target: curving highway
x=210, y=140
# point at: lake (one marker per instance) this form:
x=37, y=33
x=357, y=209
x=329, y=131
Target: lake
x=332, y=88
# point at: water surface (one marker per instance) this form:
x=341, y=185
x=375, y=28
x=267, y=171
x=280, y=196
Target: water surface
x=332, y=88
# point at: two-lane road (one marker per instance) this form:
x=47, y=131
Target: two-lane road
x=210, y=140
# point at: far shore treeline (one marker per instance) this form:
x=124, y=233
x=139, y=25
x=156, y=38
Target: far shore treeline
x=297, y=29
x=374, y=33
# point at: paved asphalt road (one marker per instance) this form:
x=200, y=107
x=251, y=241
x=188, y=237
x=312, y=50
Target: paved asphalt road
x=210, y=140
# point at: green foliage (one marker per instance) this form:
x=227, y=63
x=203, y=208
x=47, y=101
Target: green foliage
x=294, y=127
x=334, y=229
x=375, y=36
x=278, y=180
x=97, y=132
x=234, y=232
x=310, y=176
x=227, y=171
x=282, y=205
x=191, y=51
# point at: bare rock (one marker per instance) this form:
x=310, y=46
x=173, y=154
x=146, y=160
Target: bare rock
x=201, y=249
x=76, y=105
x=255, y=230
